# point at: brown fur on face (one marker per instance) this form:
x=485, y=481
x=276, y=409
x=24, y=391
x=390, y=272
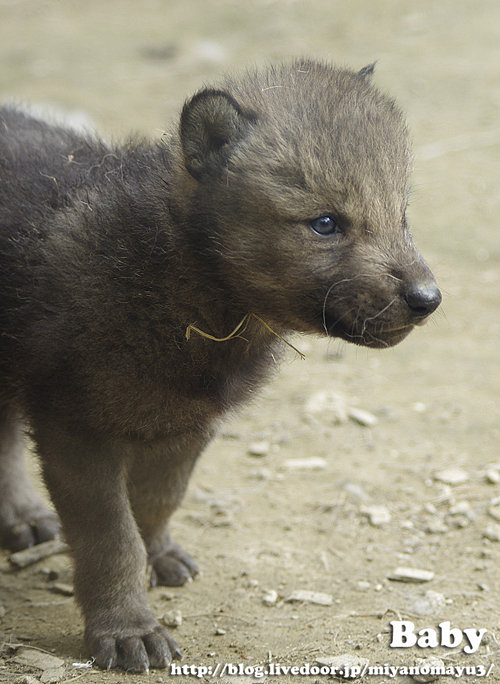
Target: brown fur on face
x=316, y=142
x=281, y=195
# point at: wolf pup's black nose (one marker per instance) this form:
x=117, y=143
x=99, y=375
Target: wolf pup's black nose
x=423, y=298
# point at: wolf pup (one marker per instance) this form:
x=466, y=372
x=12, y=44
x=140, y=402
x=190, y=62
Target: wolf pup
x=127, y=276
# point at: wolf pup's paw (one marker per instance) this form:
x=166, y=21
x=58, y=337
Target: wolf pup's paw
x=133, y=650
x=173, y=567
x=25, y=524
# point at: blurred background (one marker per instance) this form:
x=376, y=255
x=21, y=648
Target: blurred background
x=127, y=66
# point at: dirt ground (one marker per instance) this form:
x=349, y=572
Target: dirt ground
x=280, y=521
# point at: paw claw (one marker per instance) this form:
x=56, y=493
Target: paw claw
x=173, y=567
x=134, y=652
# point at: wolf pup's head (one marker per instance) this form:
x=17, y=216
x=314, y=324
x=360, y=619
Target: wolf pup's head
x=298, y=196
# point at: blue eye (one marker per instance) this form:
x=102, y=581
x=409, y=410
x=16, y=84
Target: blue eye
x=324, y=225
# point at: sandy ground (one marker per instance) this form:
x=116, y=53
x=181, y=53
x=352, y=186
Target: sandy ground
x=260, y=524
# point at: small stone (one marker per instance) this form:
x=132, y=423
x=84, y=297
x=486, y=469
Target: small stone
x=364, y=418
x=436, y=526
x=30, y=556
x=451, y=476
x=377, y=515
x=356, y=491
x=430, y=669
x=494, y=511
x=220, y=632
x=304, y=596
x=492, y=532
x=492, y=476
x=42, y=661
x=312, y=463
x=460, y=508
x=345, y=665
x=259, y=449
x=263, y=474
x=429, y=604
x=270, y=597
x=52, y=676
x=403, y=574
x=172, y=618
x=331, y=406
x=166, y=595
x=461, y=521
x=64, y=589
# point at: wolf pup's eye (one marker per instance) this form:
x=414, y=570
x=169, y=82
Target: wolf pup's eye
x=324, y=225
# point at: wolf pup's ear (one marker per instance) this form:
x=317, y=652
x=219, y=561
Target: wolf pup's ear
x=367, y=72
x=212, y=122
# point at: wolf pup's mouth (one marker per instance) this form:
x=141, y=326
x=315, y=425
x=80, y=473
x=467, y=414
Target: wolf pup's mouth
x=376, y=339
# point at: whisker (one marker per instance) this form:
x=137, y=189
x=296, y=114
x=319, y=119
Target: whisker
x=372, y=318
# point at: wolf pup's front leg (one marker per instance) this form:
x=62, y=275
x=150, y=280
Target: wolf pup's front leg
x=87, y=479
x=158, y=476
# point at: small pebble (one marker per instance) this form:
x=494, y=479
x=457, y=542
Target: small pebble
x=329, y=405
x=64, y=589
x=42, y=661
x=344, y=664
x=52, y=676
x=492, y=476
x=452, y=476
x=172, y=618
x=363, y=585
x=270, y=597
x=304, y=596
x=460, y=508
x=362, y=417
x=220, y=632
x=429, y=604
x=312, y=463
x=259, y=449
x=461, y=521
x=377, y=515
x=494, y=511
x=263, y=474
x=432, y=663
x=166, y=595
x=492, y=532
x=436, y=526
x=356, y=491
x=403, y=574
